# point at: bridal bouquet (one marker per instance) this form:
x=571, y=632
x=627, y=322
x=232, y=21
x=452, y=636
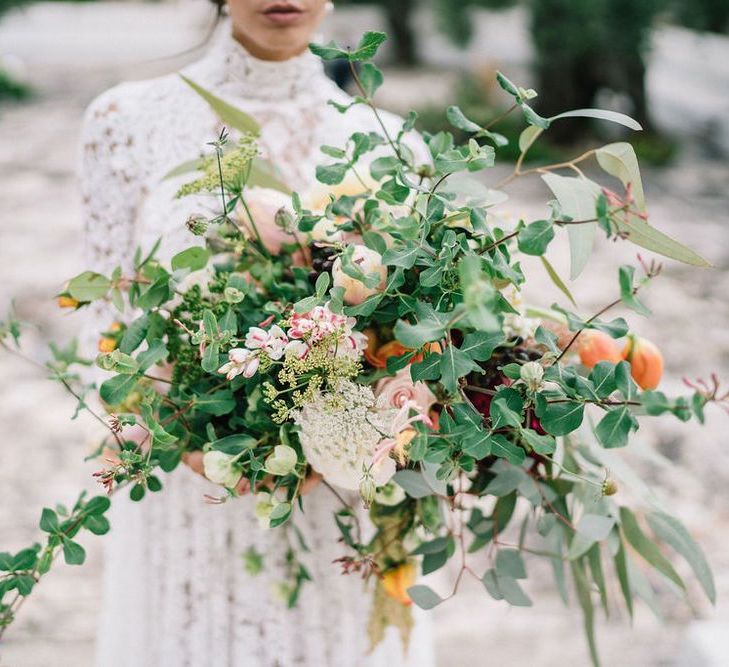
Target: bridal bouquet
x=372, y=335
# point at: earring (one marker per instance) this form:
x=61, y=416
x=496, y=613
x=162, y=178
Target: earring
x=329, y=7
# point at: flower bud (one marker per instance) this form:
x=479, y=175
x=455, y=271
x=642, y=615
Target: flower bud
x=282, y=461
x=197, y=225
x=609, y=487
x=233, y=295
x=391, y=494
x=264, y=506
x=220, y=468
x=284, y=219
x=367, y=490
x=67, y=301
x=532, y=374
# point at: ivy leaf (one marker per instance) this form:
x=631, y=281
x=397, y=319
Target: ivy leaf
x=615, y=427
x=114, y=390
x=560, y=418
x=404, y=256
x=218, y=403
x=602, y=377
x=427, y=369
x=454, y=364
x=478, y=444
x=534, y=238
x=431, y=326
x=368, y=46
x=541, y=444
x=480, y=345
x=646, y=547
x=506, y=449
x=506, y=409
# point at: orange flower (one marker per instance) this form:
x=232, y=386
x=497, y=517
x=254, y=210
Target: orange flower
x=397, y=580
x=646, y=362
x=595, y=346
x=379, y=357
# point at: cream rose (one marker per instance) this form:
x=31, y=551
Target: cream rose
x=368, y=261
x=397, y=390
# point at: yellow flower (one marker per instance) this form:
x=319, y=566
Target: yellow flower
x=66, y=301
x=396, y=582
x=107, y=344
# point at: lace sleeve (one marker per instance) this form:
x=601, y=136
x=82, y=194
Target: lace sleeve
x=112, y=189
x=111, y=183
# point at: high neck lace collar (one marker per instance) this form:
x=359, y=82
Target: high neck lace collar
x=230, y=68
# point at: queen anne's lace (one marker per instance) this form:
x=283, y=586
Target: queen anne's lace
x=340, y=434
x=176, y=591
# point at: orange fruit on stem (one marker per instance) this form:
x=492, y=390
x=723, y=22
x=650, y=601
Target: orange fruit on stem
x=595, y=346
x=646, y=362
x=397, y=580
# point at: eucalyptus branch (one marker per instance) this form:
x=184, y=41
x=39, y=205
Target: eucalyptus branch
x=518, y=172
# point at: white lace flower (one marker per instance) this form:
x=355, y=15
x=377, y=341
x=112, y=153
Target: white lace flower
x=340, y=434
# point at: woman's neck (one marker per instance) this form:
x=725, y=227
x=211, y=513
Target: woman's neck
x=263, y=53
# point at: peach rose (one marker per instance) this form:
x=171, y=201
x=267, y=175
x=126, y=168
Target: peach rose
x=264, y=203
x=398, y=389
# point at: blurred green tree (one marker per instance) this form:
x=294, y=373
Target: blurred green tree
x=709, y=15
x=584, y=46
x=452, y=17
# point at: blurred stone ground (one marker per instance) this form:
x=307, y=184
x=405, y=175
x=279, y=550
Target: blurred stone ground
x=72, y=52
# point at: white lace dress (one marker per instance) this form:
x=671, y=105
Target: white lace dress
x=176, y=590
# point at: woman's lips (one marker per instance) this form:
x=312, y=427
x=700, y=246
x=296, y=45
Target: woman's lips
x=284, y=14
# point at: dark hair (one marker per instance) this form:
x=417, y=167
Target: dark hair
x=219, y=5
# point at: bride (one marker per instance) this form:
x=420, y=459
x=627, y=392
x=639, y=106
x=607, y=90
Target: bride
x=177, y=590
